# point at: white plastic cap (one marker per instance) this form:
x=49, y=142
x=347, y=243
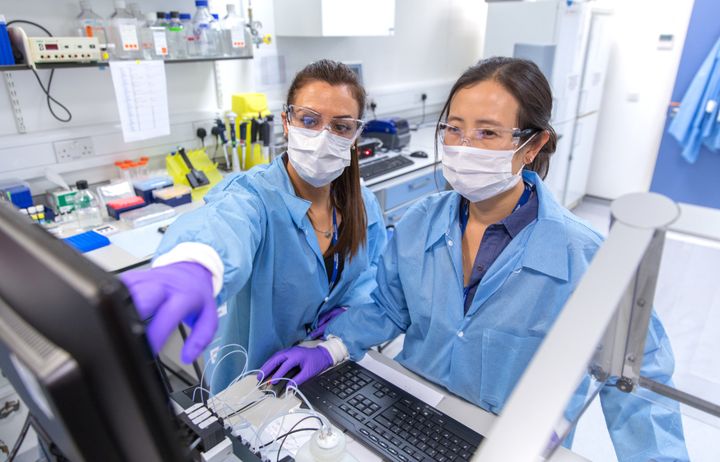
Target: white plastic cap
x=151, y=16
x=230, y=8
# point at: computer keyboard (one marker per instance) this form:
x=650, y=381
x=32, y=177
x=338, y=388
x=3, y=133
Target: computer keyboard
x=387, y=419
x=383, y=166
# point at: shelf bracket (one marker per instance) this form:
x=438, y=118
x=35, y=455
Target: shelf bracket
x=14, y=102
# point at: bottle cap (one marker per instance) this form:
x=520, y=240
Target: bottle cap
x=201, y=3
x=174, y=14
x=81, y=184
x=216, y=17
x=160, y=15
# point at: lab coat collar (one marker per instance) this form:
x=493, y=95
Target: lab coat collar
x=546, y=248
x=443, y=225
x=277, y=175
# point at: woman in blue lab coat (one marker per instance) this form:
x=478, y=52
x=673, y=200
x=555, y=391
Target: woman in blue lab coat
x=475, y=277
x=283, y=245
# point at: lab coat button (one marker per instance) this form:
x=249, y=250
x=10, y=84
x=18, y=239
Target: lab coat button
x=461, y=334
x=326, y=299
x=450, y=243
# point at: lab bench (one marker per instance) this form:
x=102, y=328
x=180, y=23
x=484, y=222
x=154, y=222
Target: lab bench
x=464, y=412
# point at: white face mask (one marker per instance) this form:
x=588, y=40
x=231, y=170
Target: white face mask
x=318, y=156
x=479, y=174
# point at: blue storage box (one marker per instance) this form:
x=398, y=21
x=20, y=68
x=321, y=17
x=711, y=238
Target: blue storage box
x=88, y=241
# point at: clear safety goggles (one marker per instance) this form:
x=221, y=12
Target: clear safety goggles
x=303, y=117
x=493, y=138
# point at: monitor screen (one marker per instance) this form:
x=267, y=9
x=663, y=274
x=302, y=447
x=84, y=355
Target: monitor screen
x=73, y=348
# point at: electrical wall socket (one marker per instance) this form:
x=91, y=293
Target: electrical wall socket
x=77, y=149
x=207, y=125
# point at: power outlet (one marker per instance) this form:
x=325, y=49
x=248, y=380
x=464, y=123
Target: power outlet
x=71, y=150
x=207, y=125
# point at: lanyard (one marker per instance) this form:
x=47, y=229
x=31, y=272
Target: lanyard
x=336, y=256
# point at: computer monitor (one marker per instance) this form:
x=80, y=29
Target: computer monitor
x=73, y=347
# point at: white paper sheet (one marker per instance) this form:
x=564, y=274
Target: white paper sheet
x=141, y=95
x=141, y=242
x=415, y=388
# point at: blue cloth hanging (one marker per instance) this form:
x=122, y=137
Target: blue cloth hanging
x=698, y=120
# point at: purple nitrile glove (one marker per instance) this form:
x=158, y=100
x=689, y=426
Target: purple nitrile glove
x=180, y=292
x=310, y=361
x=324, y=320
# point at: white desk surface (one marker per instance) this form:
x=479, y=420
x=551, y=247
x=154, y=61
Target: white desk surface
x=466, y=413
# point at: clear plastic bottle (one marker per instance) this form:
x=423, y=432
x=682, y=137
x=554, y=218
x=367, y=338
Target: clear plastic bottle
x=91, y=24
x=216, y=36
x=177, y=43
x=124, y=34
x=203, y=45
x=87, y=210
x=145, y=34
x=186, y=21
x=154, y=37
x=234, y=30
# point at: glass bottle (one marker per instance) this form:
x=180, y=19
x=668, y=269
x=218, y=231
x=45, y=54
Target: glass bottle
x=203, y=45
x=87, y=210
x=177, y=43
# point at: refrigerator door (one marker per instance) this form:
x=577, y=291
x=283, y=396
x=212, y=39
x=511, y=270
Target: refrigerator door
x=560, y=160
x=580, y=159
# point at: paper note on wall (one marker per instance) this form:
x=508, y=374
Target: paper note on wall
x=141, y=96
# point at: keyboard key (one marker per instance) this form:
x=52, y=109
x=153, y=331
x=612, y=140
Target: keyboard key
x=379, y=394
x=364, y=432
x=367, y=411
x=403, y=458
x=392, y=451
x=383, y=444
x=383, y=421
x=372, y=425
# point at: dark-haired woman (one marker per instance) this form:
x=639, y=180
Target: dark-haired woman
x=475, y=277
x=283, y=245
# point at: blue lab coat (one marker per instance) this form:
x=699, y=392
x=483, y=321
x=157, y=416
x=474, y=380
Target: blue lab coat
x=480, y=356
x=275, y=282
x=698, y=122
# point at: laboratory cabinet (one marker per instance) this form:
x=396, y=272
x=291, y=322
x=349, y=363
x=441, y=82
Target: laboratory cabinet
x=334, y=18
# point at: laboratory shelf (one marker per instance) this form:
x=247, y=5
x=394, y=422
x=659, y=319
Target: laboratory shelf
x=24, y=67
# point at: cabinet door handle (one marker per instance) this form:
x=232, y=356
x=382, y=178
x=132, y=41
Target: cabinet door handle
x=419, y=185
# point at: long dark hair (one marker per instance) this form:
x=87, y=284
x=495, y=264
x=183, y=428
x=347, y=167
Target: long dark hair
x=524, y=80
x=346, y=193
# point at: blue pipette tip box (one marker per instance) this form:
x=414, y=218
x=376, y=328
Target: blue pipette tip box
x=85, y=242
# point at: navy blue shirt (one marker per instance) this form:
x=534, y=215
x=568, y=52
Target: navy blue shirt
x=497, y=236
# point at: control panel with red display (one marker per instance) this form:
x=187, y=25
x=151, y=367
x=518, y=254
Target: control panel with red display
x=64, y=50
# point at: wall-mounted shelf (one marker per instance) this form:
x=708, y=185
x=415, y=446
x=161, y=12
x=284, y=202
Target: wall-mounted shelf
x=24, y=67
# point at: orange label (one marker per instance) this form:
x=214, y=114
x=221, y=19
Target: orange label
x=88, y=31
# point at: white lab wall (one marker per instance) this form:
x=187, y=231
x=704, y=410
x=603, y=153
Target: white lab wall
x=637, y=93
x=434, y=42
